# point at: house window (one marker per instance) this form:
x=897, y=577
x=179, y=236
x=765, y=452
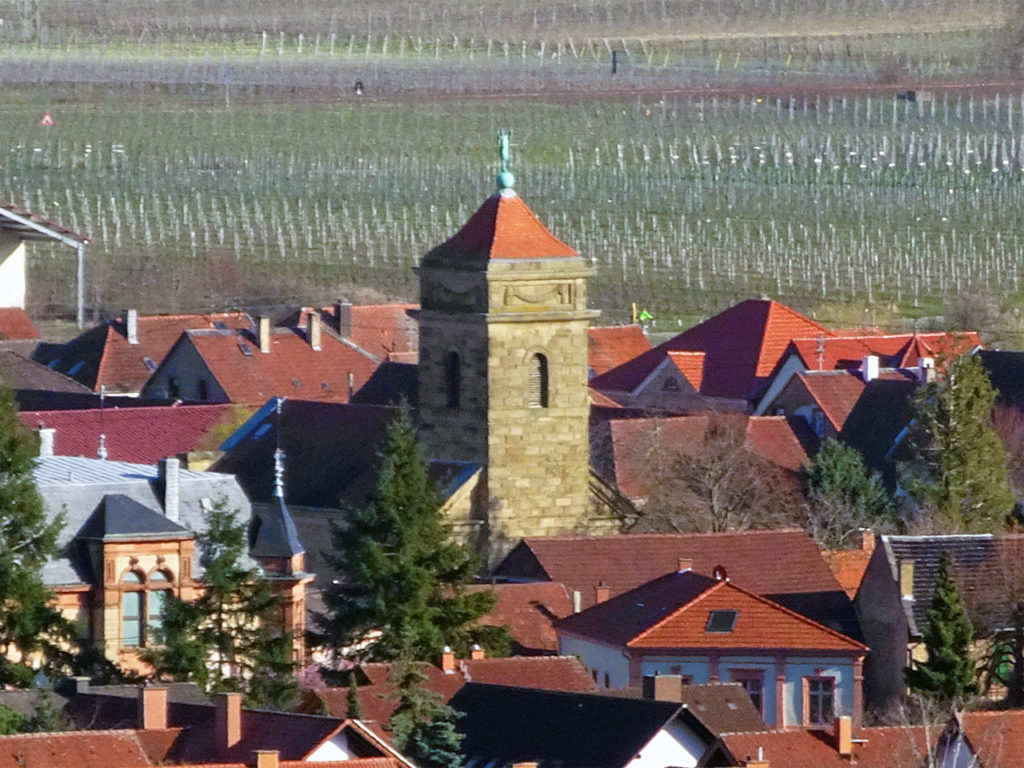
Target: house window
x=204, y=392
x=452, y=379
x=142, y=606
x=538, y=385
x=131, y=619
x=752, y=681
x=819, y=700
x=607, y=681
x=173, y=389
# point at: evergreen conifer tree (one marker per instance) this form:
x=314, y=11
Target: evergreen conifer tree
x=949, y=675
x=403, y=584
x=422, y=727
x=958, y=472
x=229, y=638
x=353, y=707
x=28, y=621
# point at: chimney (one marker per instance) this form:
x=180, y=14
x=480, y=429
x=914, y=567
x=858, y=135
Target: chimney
x=842, y=731
x=343, y=309
x=227, y=721
x=662, y=687
x=907, y=578
x=79, y=684
x=152, y=708
x=577, y=601
x=759, y=761
x=267, y=758
x=869, y=368
x=131, y=325
x=447, y=661
x=46, y=435
x=313, y=330
x=264, y=334
x=926, y=369
x=864, y=540
x=476, y=653
x=602, y=592
x=685, y=564
x=523, y=765
x=170, y=478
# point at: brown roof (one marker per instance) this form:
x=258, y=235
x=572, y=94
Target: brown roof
x=528, y=611
x=386, y=331
x=18, y=372
x=891, y=747
x=291, y=369
x=995, y=738
x=610, y=346
x=16, y=324
x=673, y=612
x=77, y=749
x=849, y=566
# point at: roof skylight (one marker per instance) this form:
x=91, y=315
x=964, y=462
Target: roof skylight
x=721, y=621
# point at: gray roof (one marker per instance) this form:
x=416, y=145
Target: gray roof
x=275, y=532
x=76, y=486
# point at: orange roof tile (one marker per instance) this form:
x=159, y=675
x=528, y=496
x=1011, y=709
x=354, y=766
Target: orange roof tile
x=80, y=749
x=691, y=365
x=291, y=369
x=743, y=344
x=386, y=331
x=889, y=747
x=609, y=346
x=849, y=566
x=602, y=400
x=996, y=738
x=16, y=324
x=900, y=350
x=527, y=610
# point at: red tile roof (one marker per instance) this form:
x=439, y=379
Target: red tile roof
x=894, y=350
x=551, y=673
x=291, y=369
x=691, y=365
x=742, y=345
x=386, y=331
x=138, y=435
x=996, y=738
x=77, y=749
x=849, y=566
x=891, y=747
x=16, y=324
x=673, y=612
x=528, y=611
x=611, y=346
x=765, y=562
x=354, y=762
x=644, y=449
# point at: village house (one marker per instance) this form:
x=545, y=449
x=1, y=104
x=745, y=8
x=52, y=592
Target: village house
x=706, y=629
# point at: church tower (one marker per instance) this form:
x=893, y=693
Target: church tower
x=503, y=367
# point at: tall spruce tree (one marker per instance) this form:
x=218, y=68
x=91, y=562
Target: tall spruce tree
x=842, y=497
x=402, y=590
x=949, y=675
x=28, y=622
x=957, y=473
x=230, y=638
x=422, y=727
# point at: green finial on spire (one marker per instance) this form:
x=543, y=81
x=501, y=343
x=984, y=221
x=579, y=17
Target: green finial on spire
x=505, y=178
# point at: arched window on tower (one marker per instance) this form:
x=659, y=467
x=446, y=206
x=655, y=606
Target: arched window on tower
x=452, y=379
x=537, y=397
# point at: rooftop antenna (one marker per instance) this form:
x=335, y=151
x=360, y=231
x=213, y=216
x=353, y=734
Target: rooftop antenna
x=506, y=181
x=101, y=451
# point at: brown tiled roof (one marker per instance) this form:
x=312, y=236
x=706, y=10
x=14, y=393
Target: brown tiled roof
x=743, y=344
x=673, y=612
x=16, y=324
x=386, y=331
x=138, y=435
x=75, y=749
x=996, y=738
x=291, y=369
x=722, y=707
x=892, y=747
x=610, y=346
x=528, y=610
x=18, y=372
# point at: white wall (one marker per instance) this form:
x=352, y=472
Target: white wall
x=335, y=749
x=603, y=659
x=676, y=744
x=12, y=271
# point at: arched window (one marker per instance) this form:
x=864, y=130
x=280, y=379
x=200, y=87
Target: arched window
x=537, y=396
x=142, y=606
x=452, y=379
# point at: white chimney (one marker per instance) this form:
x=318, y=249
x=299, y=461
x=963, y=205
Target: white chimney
x=264, y=334
x=869, y=368
x=925, y=369
x=170, y=477
x=131, y=325
x=313, y=330
x=46, y=436
x=577, y=601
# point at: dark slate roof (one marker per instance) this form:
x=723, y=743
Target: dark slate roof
x=969, y=552
x=876, y=421
x=274, y=532
x=1006, y=372
x=389, y=385
x=504, y=725
x=119, y=517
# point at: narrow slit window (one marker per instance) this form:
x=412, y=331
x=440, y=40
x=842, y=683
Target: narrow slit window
x=538, y=394
x=452, y=380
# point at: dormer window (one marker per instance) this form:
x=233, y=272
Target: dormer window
x=537, y=397
x=721, y=621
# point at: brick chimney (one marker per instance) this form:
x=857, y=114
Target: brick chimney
x=685, y=564
x=264, y=334
x=169, y=470
x=152, y=708
x=46, y=435
x=476, y=653
x=131, y=325
x=267, y=758
x=227, y=721
x=842, y=732
x=662, y=687
x=602, y=592
x=313, y=330
x=864, y=539
x=448, y=661
x=343, y=310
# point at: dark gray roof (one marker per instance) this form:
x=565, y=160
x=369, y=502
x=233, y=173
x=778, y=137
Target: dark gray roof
x=717, y=707
x=1006, y=372
x=274, y=532
x=969, y=552
x=504, y=725
x=119, y=517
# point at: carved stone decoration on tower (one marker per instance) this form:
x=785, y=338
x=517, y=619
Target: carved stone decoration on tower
x=503, y=368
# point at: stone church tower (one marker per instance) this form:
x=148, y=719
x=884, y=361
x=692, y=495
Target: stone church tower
x=503, y=369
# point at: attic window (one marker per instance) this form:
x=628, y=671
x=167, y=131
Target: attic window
x=325, y=386
x=245, y=349
x=149, y=363
x=220, y=325
x=296, y=382
x=721, y=621
x=76, y=367
x=670, y=385
x=53, y=363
